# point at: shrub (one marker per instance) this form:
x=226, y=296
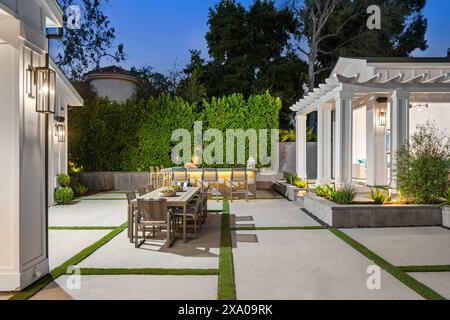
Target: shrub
x=422, y=166
x=344, y=195
x=379, y=195
x=63, y=195
x=287, y=135
x=325, y=191
x=294, y=180
x=79, y=189
x=447, y=199
x=139, y=133
x=63, y=180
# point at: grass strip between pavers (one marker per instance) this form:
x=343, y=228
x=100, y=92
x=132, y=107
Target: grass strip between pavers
x=398, y=273
x=276, y=228
x=62, y=269
x=148, y=271
x=408, y=269
x=84, y=228
x=226, y=289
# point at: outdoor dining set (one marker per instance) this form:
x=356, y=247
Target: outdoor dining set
x=179, y=208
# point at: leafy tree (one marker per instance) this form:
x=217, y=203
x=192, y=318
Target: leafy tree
x=151, y=83
x=83, y=49
x=192, y=87
x=250, y=53
x=334, y=28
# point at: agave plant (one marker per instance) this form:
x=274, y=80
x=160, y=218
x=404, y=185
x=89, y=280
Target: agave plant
x=379, y=195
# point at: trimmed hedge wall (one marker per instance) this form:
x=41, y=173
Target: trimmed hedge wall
x=106, y=136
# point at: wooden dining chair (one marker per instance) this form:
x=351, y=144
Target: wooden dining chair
x=238, y=183
x=131, y=209
x=142, y=192
x=210, y=181
x=154, y=214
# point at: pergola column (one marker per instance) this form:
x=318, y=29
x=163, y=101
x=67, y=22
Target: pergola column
x=324, y=155
x=376, y=143
x=399, y=129
x=344, y=138
x=300, y=130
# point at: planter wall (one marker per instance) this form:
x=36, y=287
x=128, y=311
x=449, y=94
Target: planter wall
x=372, y=216
x=446, y=217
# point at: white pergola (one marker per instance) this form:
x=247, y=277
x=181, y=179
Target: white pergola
x=387, y=88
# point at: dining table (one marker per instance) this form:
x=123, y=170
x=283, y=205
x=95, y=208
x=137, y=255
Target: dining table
x=180, y=200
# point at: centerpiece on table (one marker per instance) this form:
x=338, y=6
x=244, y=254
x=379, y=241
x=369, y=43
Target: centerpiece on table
x=169, y=192
x=177, y=188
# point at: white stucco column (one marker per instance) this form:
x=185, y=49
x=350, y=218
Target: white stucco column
x=344, y=138
x=376, y=143
x=399, y=128
x=300, y=131
x=324, y=154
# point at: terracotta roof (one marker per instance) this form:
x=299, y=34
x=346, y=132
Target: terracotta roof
x=110, y=70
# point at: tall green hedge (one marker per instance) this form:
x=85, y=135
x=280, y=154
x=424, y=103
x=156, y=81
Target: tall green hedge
x=106, y=136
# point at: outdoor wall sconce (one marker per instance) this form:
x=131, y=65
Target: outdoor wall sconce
x=381, y=119
x=61, y=132
x=45, y=81
x=30, y=86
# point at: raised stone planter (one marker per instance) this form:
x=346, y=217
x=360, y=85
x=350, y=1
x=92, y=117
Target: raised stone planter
x=446, y=217
x=287, y=190
x=372, y=216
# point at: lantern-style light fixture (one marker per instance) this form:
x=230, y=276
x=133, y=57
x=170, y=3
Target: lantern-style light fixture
x=61, y=132
x=45, y=80
x=381, y=119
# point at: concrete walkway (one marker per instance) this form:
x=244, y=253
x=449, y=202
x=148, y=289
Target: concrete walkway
x=300, y=264
x=271, y=264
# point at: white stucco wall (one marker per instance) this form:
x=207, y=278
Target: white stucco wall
x=359, y=134
x=114, y=89
x=438, y=112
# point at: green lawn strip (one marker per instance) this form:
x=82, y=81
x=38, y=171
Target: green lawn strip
x=84, y=228
x=408, y=269
x=276, y=228
x=148, y=271
x=399, y=274
x=226, y=287
x=61, y=270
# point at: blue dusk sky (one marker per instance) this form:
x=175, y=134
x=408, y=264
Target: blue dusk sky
x=161, y=32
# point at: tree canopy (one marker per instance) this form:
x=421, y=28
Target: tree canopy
x=83, y=49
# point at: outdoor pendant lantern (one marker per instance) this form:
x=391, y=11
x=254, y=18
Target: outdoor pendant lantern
x=61, y=132
x=381, y=119
x=45, y=80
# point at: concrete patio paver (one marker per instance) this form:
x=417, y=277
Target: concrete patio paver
x=89, y=213
x=130, y=287
x=64, y=244
x=270, y=213
x=407, y=246
x=200, y=253
x=106, y=195
x=5, y=295
x=438, y=281
x=301, y=264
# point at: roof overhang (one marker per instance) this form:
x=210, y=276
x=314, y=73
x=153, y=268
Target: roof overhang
x=380, y=75
x=74, y=98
